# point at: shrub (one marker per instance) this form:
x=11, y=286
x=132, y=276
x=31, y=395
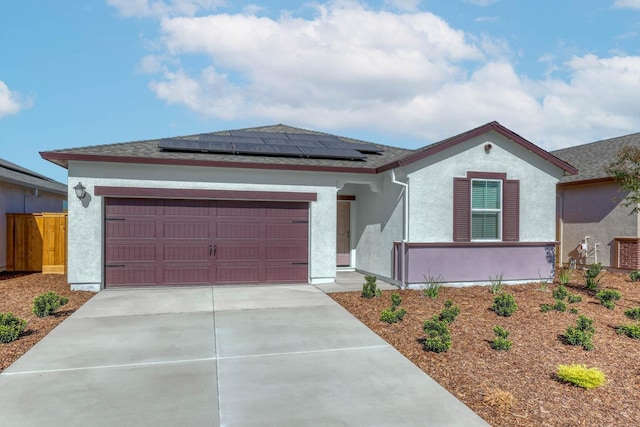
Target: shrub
x=432, y=286
x=564, y=276
x=545, y=307
x=47, y=303
x=449, y=313
x=592, y=282
x=572, y=298
x=560, y=293
x=632, y=331
x=558, y=306
x=500, y=399
x=438, y=336
x=573, y=310
x=634, y=276
x=496, y=284
x=633, y=313
x=607, y=297
x=11, y=327
x=504, y=305
x=581, y=334
x=392, y=315
x=581, y=376
x=502, y=341
x=369, y=287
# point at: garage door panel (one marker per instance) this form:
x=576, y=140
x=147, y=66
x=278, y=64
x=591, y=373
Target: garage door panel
x=184, y=275
x=185, y=252
x=286, y=273
x=134, y=252
x=134, y=207
x=238, y=252
x=131, y=230
x=187, y=208
x=231, y=230
x=286, y=230
x=286, y=252
x=130, y=276
x=186, y=230
x=249, y=273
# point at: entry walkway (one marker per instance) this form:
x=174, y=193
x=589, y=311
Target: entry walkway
x=224, y=356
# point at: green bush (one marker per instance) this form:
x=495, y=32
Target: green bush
x=369, y=287
x=581, y=334
x=632, y=331
x=396, y=300
x=47, y=303
x=496, y=284
x=504, y=305
x=560, y=293
x=11, y=327
x=545, y=307
x=438, y=336
x=502, y=341
x=392, y=315
x=449, y=313
x=581, y=376
x=573, y=310
x=633, y=313
x=607, y=297
x=592, y=282
x=635, y=276
x=432, y=286
x=572, y=298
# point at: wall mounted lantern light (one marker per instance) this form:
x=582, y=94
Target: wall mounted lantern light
x=80, y=191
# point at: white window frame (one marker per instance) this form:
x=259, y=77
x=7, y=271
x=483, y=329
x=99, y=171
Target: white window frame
x=476, y=210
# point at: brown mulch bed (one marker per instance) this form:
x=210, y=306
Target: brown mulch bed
x=477, y=374
x=17, y=291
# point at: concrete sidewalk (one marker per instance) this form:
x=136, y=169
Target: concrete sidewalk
x=224, y=356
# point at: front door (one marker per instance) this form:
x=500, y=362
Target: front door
x=343, y=238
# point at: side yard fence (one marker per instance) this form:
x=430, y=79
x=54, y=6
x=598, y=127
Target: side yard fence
x=37, y=242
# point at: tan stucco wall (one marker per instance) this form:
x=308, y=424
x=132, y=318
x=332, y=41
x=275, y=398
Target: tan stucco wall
x=593, y=210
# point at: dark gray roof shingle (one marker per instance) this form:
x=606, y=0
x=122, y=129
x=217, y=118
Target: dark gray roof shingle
x=10, y=172
x=592, y=159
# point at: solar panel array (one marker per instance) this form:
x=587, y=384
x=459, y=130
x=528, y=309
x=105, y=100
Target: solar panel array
x=273, y=144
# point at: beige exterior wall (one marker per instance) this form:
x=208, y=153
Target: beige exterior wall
x=594, y=210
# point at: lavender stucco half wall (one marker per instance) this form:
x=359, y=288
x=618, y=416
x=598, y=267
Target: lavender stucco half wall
x=467, y=264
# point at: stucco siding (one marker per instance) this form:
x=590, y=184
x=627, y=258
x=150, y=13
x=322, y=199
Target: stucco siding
x=86, y=219
x=18, y=199
x=431, y=180
x=595, y=210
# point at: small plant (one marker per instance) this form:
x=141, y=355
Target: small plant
x=573, y=298
x=432, y=286
x=581, y=376
x=11, y=327
x=438, y=336
x=496, y=284
x=634, y=276
x=564, y=276
x=581, y=334
x=558, y=306
x=369, y=288
x=449, y=313
x=632, y=331
x=500, y=399
x=560, y=293
x=592, y=282
x=392, y=315
x=504, y=305
x=573, y=310
x=607, y=297
x=502, y=341
x=47, y=303
x=633, y=313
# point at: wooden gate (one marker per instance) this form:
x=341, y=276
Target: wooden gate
x=37, y=242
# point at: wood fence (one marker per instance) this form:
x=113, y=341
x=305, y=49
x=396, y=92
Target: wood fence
x=37, y=242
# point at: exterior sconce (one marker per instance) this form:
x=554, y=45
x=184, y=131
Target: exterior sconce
x=487, y=148
x=80, y=191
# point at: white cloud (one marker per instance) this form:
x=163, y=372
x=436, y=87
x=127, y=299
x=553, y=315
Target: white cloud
x=143, y=8
x=11, y=102
x=627, y=4
x=405, y=5
x=419, y=77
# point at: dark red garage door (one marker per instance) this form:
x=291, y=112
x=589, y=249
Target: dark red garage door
x=199, y=242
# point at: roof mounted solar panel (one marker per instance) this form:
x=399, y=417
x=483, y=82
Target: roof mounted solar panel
x=194, y=146
x=293, y=142
x=256, y=134
x=332, y=153
x=362, y=147
x=312, y=136
x=266, y=150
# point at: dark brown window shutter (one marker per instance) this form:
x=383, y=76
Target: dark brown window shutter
x=511, y=211
x=461, y=210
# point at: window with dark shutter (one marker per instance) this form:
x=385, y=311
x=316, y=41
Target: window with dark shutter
x=511, y=211
x=461, y=209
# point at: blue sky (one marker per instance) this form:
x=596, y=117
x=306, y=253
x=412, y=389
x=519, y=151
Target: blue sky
x=398, y=72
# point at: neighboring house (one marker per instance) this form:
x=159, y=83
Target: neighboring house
x=593, y=223
x=279, y=204
x=25, y=191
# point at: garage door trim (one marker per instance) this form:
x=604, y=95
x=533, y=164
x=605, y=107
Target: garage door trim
x=181, y=193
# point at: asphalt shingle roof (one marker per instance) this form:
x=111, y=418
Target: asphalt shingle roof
x=592, y=159
x=10, y=172
x=149, y=150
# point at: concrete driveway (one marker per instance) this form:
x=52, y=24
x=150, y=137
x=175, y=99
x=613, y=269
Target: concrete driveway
x=224, y=356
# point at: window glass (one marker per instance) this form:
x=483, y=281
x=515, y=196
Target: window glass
x=485, y=209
